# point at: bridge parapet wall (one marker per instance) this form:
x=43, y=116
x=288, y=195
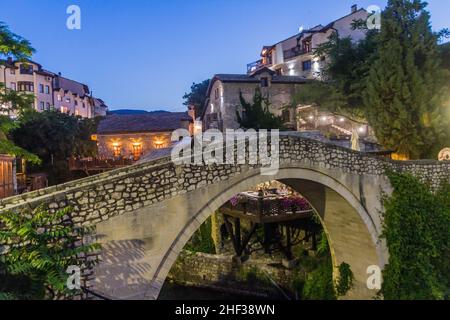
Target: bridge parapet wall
x=101, y=197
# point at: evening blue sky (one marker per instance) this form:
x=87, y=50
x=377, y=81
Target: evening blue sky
x=145, y=54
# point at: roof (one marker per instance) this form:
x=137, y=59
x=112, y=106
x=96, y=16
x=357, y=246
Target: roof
x=244, y=78
x=74, y=87
x=152, y=122
x=317, y=29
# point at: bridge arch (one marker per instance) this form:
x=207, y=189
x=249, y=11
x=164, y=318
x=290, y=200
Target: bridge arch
x=352, y=230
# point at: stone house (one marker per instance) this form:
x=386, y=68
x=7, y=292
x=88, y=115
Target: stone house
x=134, y=136
x=223, y=97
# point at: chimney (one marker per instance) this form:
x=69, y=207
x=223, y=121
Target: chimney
x=354, y=8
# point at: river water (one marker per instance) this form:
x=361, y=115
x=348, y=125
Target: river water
x=176, y=292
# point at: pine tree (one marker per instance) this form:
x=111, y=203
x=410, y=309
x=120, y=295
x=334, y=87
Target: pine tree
x=404, y=87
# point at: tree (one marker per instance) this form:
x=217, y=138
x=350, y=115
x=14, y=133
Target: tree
x=348, y=64
x=256, y=115
x=13, y=103
x=197, y=97
x=417, y=232
x=55, y=137
x=404, y=89
x=39, y=246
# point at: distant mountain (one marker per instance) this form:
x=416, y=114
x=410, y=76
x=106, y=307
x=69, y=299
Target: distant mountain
x=134, y=112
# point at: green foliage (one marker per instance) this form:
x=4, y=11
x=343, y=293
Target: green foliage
x=55, y=137
x=404, y=90
x=323, y=248
x=345, y=281
x=252, y=276
x=17, y=104
x=319, y=283
x=197, y=97
x=202, y=240
x=417, y=230
x=256, y=115
x=348, y=65
x=38, y=247
x=13, y=45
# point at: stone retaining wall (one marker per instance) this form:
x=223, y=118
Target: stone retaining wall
x=222, y=273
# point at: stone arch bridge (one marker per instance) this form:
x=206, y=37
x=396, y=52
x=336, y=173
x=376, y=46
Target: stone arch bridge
x=145, y=214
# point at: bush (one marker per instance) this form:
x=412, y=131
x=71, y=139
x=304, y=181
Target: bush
x=417, y=232
x=202, y=240
x=319, y=283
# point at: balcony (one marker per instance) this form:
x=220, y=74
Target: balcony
x=251, y=67
x=295, y=52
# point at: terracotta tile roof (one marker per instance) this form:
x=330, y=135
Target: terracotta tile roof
x=152, y=122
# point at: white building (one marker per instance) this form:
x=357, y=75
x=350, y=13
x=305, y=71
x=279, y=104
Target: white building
x=295, y=56
x=50, y=90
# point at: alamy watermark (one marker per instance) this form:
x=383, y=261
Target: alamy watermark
x=74, y=279
x=234, y=147
x=373, y=21
x=375, y=278
x=73, y=22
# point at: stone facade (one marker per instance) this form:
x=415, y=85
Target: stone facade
x=224, y=99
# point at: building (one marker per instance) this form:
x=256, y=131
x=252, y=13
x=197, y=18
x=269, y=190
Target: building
x=72, y=97
x=224, y=96
x=295, y=56
x=49, y=89
x=133, y=136
x=280, y=72
x=100, y=108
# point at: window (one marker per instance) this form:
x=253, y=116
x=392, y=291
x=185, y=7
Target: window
x=59, y=97
x=26, y=86
x=13, y=86
x=84, y=105
x=12, y=71
x=306, y=65
x=41, y=88
x=264, y=82
x=48, y=106
x=64, y=110
x=76, y=102
x=286, y=116
x=26, y=69
x=117, y=150
x=137, y=151
x=42, y=106
x=68, y=100
x=77, y=113
x=217, y=93
x=47, y=89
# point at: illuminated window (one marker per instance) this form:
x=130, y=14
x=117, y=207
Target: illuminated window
x=117, y=150
x=159, y=143
x=137, y=151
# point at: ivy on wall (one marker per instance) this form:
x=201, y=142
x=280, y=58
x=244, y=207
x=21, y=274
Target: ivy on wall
x=417, y=230
x=202, y=240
